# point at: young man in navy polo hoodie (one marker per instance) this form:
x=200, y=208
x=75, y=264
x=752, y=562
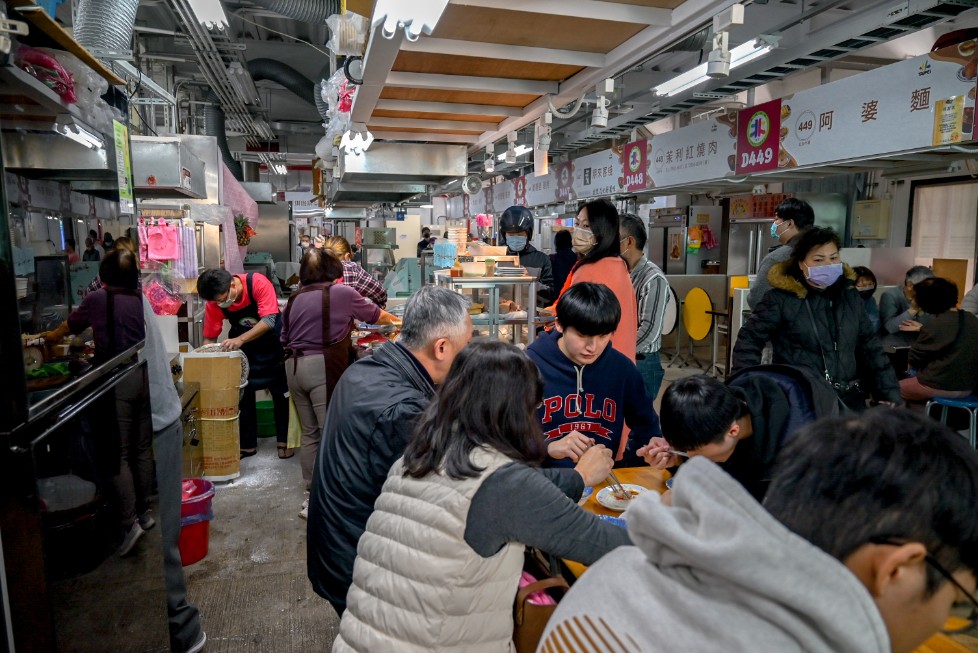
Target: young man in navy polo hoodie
x=590, y=390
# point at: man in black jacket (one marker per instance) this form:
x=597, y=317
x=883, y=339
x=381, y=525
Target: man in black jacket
x=370, y=417
x=743, y=425
x=516, y=230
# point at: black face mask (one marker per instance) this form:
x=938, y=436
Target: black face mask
x=866, y=294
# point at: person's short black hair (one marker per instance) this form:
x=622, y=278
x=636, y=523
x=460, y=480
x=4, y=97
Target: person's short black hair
x=863, y=272
x=70, y=242
x=464, y=416
x=590, y=308
x=425, y=231
x=697, y=411
x=318, y=265
x=809, y=240
x=563, y=240
x=936, y=295
x=602, y=217
x=633, y=226
x=798, y=211
x=93, y=234
x=887, y=473
x=213, y=283
x=119, y=268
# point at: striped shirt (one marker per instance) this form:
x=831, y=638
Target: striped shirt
x=361, y=281
x=651, y=291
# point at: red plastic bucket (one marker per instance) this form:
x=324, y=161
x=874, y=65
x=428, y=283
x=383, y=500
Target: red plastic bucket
x=195, y=519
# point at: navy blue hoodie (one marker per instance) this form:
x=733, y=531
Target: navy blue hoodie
x=595, y=399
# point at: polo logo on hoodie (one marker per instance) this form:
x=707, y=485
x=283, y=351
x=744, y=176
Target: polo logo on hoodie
x=570, y=407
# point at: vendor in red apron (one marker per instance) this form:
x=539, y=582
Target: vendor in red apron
x=249, y=303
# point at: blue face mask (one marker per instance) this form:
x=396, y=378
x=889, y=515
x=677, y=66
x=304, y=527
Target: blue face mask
x=516, y=243
x=774, y=230
x=825, y=275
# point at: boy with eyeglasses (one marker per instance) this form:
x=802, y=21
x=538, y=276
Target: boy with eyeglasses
x=867, y=541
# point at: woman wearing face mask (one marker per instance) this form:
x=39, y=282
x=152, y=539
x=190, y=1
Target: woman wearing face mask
x=814, y=318
x=866, y=287
x=596, y=241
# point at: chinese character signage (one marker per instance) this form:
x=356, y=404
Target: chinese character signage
x=519, y=188
x=758, y=130
x=704, y=150
x=123, y=167
x=634, y=165
x=918, y=103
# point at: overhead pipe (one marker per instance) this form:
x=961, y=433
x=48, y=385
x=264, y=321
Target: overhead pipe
x=284, y=75
x=214, y=120
x=307, y=11
x=317, y=94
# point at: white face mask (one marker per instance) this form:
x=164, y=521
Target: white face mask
x=227, y=303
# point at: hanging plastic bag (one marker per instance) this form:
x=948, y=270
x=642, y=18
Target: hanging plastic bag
x=162, y=297
x=348, y=33
x=709, y=238
x=47, y=69
x=694, y=239
x=163, y=242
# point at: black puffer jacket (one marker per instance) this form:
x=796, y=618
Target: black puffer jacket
x=531, y=257
x=370, y=417
x=842, y=333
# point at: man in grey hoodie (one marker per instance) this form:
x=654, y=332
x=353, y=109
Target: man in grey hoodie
x=868, y=539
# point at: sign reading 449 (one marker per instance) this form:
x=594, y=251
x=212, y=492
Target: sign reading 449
x=758, y=130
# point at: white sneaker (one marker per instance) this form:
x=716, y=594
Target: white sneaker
x=304, y=513
x=146, y=521
x=305, y=504
x=129, y=541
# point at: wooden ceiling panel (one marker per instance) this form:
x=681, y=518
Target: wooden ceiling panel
x=581, y=34
x=423, y=115
x=446, y=64
x=422, y=130
x=465, y=97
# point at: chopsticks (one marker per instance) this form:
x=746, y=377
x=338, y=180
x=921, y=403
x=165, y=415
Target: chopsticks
x=617, y=488
x=681, y=454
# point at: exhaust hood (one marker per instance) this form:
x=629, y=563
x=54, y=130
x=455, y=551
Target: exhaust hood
x=416, y=163
x=163, y=167
x=49, y=155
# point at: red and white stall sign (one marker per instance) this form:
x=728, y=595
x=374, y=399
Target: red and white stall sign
x=634, y=165
x=757, y=138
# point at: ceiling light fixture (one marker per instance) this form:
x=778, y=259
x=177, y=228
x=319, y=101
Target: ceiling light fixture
x=357, y=139
x=210, y=13
x=490, y=158
x=542, y=131
x=66, y=125
x=599, y=118
x=427, y=206
x=280, y=169
x=739, y=56
x=518, y=151
x=416, y=18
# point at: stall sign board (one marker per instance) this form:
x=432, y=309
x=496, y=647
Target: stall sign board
x=704, y=150
x=635, y=164
x=124, y=167
x=758, y=128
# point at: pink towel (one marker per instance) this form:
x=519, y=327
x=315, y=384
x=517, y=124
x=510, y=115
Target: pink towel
x=539, y=597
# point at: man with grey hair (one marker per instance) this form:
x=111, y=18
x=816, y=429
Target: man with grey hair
x=901, y=318
x=368, y=423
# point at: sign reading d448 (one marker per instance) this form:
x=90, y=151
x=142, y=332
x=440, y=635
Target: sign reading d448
x=758, y=138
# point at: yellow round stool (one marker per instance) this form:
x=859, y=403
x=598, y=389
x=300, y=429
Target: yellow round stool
x=696, y=317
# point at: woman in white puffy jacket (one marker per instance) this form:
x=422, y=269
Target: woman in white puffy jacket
x=439, y=564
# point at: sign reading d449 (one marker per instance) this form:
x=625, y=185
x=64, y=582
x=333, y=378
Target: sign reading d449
x=758, y=139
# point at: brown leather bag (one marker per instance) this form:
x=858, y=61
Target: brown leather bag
x=530, y=619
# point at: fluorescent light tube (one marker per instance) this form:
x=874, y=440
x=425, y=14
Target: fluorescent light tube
x=210, y=13
x=739, y=56
x=519, y=151
x=280, y=169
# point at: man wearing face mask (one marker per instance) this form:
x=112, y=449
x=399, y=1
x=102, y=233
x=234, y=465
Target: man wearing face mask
x=815, y=319
x=516, y=227
x=792, y=218
x=249, y=303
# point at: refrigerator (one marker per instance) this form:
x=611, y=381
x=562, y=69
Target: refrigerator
x=667, y=239
x=748, y=242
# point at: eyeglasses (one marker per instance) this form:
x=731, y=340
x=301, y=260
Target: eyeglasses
x=965, y=611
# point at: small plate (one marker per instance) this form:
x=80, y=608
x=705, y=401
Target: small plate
x=614, y=521
x=607, y=498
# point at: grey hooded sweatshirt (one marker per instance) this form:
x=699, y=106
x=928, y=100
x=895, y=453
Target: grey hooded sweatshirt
x=714, y=572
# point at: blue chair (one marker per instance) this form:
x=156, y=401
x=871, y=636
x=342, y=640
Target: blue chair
x=969, y=403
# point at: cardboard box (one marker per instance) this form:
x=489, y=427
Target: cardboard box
x=221, y=443
x=219, y=404
x=213, y=371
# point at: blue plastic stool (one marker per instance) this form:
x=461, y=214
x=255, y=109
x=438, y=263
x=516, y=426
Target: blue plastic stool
x=969, y=403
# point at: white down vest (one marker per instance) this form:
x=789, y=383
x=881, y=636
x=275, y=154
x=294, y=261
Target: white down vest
x=417, y=586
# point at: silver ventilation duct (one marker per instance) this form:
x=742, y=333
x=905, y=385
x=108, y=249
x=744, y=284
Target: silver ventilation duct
x=307, y=11
x=317, y=93
x=105, y=26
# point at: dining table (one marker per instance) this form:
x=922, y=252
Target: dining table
x=655, y=479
